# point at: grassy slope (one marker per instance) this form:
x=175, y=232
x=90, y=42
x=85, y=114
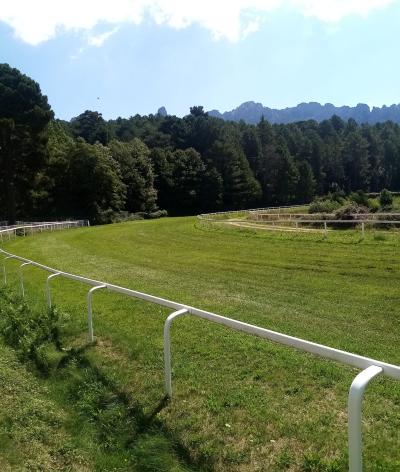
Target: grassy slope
x=240, y=403
x=32, y=425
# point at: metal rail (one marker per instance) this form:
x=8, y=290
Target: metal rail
x=8, y=232
x=369, y=366
x=295, y=224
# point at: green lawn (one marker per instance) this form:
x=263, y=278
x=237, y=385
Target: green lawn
x=32, y=432
x=240, y=403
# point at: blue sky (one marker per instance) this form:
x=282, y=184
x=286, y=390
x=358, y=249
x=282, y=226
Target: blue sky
x=277, y=52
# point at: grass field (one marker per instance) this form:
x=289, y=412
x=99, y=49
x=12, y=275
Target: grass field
x=240, y=403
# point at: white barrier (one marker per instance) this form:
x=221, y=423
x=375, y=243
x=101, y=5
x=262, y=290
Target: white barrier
x=294, y=223
x=8, y=232
x=370, y=367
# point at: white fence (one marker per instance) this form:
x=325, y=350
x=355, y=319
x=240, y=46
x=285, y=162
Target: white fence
x=251, y=210
x=370, y=367
x=9, y=232
x=275, y=218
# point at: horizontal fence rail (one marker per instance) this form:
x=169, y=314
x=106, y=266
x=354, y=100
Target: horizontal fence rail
x=252, y=210
x=370, y=367
x=8, y=232
x=268, y=219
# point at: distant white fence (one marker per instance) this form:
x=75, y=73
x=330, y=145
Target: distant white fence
x=278, y=219
x=298, y=223
x=370, y=367
x=26, y=229
x=250, y=210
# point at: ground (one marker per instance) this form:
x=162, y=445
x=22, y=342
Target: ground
x=240, y=403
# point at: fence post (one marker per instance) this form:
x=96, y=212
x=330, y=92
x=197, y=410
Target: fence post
x=90, y=309
x=363, y=229
x=5, y=270
x=21, y=274
x=167, y=349
x=356, y=393
x=48, y=292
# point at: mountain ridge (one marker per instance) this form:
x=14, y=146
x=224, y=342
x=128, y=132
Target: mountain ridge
x=251, y=112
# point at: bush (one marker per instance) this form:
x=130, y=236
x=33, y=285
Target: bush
x=337, y=195
x=321, y=205
x=157, y=214
x=347, y=212
x=386, y=198
x=373, y=205
x=30, y=333
x=359, y=197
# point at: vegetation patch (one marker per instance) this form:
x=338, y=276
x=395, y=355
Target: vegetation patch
x=240, y=403
x=84, y=422
x=33, y=433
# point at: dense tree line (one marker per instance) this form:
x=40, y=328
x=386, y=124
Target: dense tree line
x=93, y=168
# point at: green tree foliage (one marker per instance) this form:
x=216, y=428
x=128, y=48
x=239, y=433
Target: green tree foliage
x=51, y=189
x=93, y=168
x=359, y=197
x=136, y=173
x=90, y=126
x=197, y=111
x=24, y=116
x=385, y=198
x=356, y=160
x=240, y=188
x=180, y=175
x=211, y=191
x=202, y=131
x=94, y=182
x=279, y=176
x=251, y=143
x=306, y=183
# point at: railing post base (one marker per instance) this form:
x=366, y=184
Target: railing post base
x=167, y=350
x=356, y=393
x=90, y=309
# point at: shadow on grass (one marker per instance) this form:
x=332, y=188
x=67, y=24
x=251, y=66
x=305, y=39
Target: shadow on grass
x=119, y=421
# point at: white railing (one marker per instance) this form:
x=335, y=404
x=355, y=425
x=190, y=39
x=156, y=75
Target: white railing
x=294, y=222
x=250, y=210
x=370, y=367
x=9, y=232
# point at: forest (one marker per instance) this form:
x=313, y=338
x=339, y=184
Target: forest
x=110, y=170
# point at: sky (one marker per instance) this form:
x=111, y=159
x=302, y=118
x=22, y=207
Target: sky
x=124, y=57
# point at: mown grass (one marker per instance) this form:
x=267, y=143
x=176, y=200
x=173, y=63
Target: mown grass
x=240, y=403
x=70, y=417
x=32, y=426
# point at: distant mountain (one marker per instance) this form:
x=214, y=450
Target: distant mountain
x=251, y=112
x=162, y=111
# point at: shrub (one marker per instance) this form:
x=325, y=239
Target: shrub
x=386, y=198
x=321, y=205
x=30, y=333
x=359, y=197
x=347, y=212
x=337, y=195
x=373, y=205
x=157, y=214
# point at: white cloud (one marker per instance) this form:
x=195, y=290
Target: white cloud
x=99, y=39
x=35, y=21
x=332, y=11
